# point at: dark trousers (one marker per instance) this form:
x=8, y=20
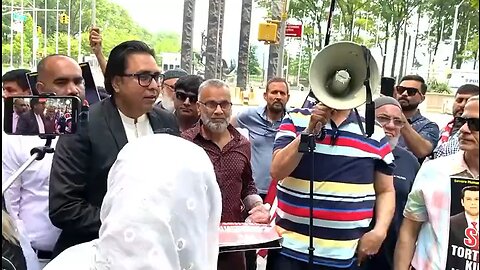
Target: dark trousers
x=279, y=262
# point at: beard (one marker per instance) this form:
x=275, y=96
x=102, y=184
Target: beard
x=393, y=141
x=215, y=127
x=407, y=106
x=276, y=107
x=167, y=103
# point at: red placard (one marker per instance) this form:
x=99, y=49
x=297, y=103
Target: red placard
x=293, y=30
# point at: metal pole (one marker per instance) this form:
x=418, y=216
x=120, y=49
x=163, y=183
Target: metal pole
x=80, y=33
x=68, y=29
x=454, y=34
x=21, y=36
x=17, y=173
x=300, y=59
x=94, y=12
x=283, y=25
x=56, y=33
x=34, y=35
x=45, y=37
x=11, y=36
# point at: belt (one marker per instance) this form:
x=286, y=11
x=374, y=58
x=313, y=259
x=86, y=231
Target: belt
x=42, y=254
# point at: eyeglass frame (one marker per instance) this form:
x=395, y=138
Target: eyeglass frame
x=159, y=81
x=390, y=119
x=192, y=98
x=217, y=104
x=417, y=91
x=470, y=122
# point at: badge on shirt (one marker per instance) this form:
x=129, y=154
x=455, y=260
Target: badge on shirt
x=463, y=253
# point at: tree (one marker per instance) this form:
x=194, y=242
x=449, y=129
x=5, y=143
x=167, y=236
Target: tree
x=254, y=67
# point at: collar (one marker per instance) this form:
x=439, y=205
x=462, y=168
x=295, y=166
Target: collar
x=262, y=111
x=459, y=165
x=415, y=117
x=128, y=120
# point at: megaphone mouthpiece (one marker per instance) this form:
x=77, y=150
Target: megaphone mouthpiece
x=339, y=83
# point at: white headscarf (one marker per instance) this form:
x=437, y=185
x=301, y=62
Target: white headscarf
x=162, y=208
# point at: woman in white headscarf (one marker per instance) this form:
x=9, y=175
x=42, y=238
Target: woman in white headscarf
x=161, y=211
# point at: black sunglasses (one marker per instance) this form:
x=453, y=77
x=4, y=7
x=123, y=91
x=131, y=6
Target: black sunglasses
x=472, y=123
x=182, y=96
x=411, y=91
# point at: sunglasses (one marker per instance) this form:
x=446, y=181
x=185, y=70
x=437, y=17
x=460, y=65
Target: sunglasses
x=411, y=91
x=472, y=123
x=182, y=96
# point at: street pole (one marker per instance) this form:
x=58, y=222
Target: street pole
x=80, y=33
x=283, y=24
x=34, y=35
x=11, y=36
x=45, y=31
x=21, y=36
x=454, y=34
x=94, y=12
x=68, y=29
x=56, y=33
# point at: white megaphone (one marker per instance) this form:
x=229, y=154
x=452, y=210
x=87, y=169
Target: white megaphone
x=338, y=73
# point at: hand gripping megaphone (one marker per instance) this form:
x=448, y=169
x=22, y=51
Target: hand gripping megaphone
x=338, y=73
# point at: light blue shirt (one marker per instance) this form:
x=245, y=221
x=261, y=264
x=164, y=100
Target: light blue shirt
x=262, y=136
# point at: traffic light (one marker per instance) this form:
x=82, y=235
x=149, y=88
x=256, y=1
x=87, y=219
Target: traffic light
x=64, y=19
x=267, y=31
x=39, y=30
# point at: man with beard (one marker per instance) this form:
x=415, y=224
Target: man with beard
x=449, y=135
x=419, y=135
x=50, y=120
x=262, y=124
x=185, y=101
x=19, y=108
x=167, y=89
x=229, y=152
x=388, y=113
x=423, y=241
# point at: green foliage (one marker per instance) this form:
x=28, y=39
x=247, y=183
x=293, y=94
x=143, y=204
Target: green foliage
x=254, y=67
x=115, y=24
x=439, y=87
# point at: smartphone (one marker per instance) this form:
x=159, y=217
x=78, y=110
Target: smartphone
x=387, y=87
x=91, y=92
x=32, y=81
x=41, y=115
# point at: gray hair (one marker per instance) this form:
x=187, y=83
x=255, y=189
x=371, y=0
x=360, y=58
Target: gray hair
x=474, y=98
x=211, y=83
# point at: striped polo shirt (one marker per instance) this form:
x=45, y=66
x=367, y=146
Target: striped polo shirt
x=344, y=195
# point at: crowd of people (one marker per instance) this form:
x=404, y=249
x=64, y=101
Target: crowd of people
x=162, y=161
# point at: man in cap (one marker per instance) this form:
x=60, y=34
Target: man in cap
x=388, y=113
x=167, y=89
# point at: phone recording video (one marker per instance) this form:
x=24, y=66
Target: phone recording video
x=37, y=115
x=387, y=87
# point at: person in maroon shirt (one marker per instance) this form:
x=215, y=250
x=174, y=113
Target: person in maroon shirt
x=229, y=152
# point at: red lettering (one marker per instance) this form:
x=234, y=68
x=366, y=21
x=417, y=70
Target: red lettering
x=471, y=238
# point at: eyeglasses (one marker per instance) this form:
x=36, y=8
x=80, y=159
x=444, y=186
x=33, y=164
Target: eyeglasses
x=182, y=96
x=472, y=123
x=411, y=91
x=145, y=79
x=172, y=87
x=213, y=105
x=384, y=120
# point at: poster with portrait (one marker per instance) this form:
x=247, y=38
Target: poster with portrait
x=463, y=253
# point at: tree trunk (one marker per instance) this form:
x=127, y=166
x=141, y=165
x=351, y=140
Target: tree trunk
x=274, y=48
x=387, y=36
x=459, y=50
x=212, y=40
x=402, y=61
x=395, y=49
x=319, y=27
x=187, y=35
x=419, y=11
x=220, y=40
x=243, y=46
